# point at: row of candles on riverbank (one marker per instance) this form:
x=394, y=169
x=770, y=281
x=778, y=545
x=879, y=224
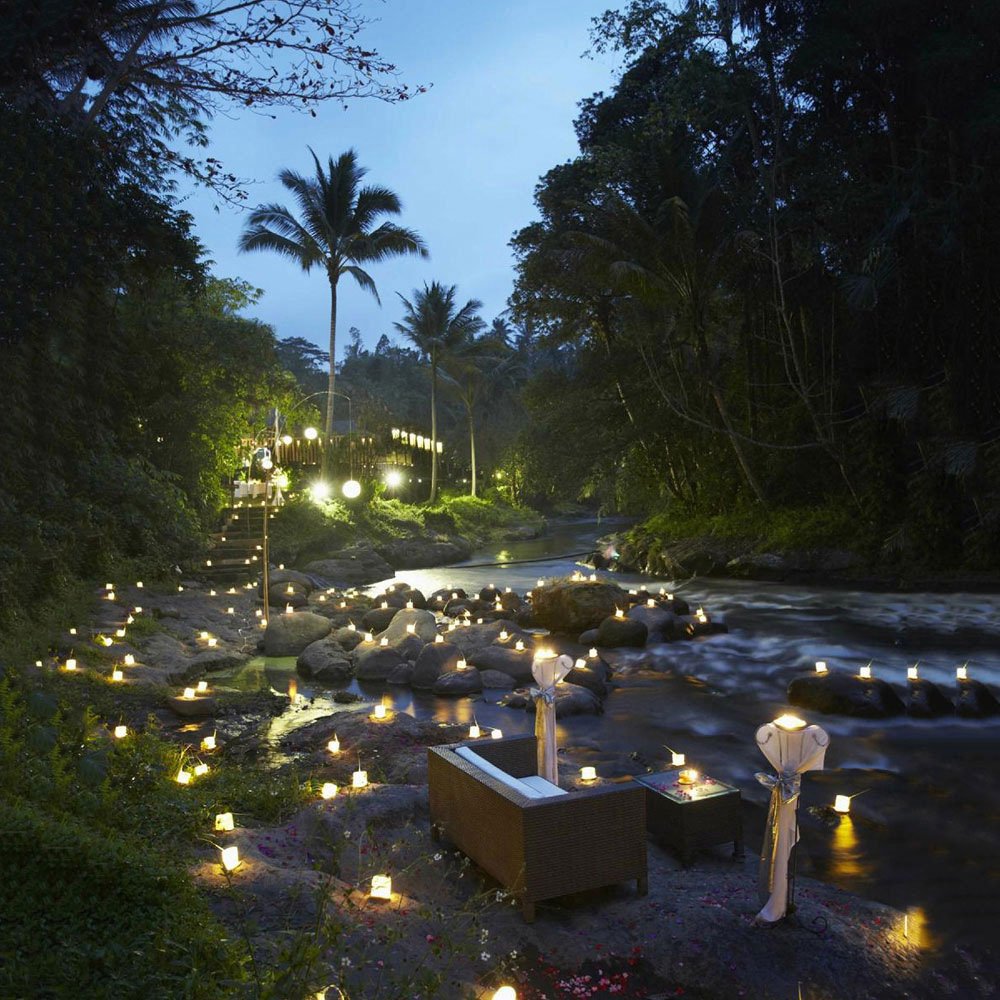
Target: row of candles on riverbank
x=865, y=672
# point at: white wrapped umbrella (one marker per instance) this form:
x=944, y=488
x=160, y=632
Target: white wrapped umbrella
x=792, y=747
x=548, y=670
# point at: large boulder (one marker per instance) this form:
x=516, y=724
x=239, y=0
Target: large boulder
x=615, y=632
x=975, y=700
x=378, y=619
x=347, y=637
x=354, y=566
x=375, y=663
x=282, y=594
x=325, y=660
x=506, y=661
x=434, y=659
x=458, y=683
x=469, y=638
x=662, y=624
x=926, y=700
x=845, y=694
x=496, y=680
x=217, y=659
x=423, y=622
x=286, y=576
x=288, y=635
x=428, y=550
x=403, y=674
x=573, y=606
x=591, y=674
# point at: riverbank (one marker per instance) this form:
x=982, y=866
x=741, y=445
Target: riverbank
x=298, y=904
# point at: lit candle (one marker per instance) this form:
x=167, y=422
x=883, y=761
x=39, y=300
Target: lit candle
x=263, y=623
x=592, y=653
x=202, y=635
x=580, y=663
x=138, y=609
x=439, y=638
x=479, y=621
x=71, y=664
x=384, y=641
x=650, y=603
x=593, y=577
x=138, y=583
x=790, y=723
x=117, y=675
x=540, y=583
x=121, y=732
x=474, y=732
x=208, y=742
x=379, y=711
x=381, y=887
x=385, y=604
x=497, y=734
x=842, y=804
x=369, y=637
x=224, y=822
x=677, y=759
x=230, y=857
x=409, y=605
x=321, y=598
x=359, y=779
x=619, y=613
x=200, y=769
x=504, y=635
x=230, y=611
x=865, y=673
x=129, y=660
x=213, y=642
x=688, y=777
x=120, y=632
x=519, y=646
x=588, y=773
x=411, y=629
x=289, y=589
x=211, y=593
x=821, y=667
x=258, y=613
x=352, y=627
x=962, y=673
x=911, y=673
x=129, y=620
x=188, y=693
x=334, y=745
x=183, y=777
x=72, y=631
x=329, y=790
x=461, y=665
x=505, y=993
x=289, y=609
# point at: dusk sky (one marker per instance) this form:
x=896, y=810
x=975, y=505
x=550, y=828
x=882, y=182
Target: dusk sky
x=464, y=158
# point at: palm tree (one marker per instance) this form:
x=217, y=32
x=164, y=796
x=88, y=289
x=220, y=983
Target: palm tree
x=436, y=327
x=337, y=232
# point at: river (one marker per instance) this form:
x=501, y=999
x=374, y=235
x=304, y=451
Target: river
x=924, y=836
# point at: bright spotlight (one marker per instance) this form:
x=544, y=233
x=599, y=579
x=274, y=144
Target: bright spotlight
x=320, y=491
x=310, y=433
x=393, y=479
x=286, y=438
x=351, y=489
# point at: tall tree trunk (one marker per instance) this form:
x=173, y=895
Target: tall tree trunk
x=328, y=431
x=472, y=447
x=434, y=432
x=751, y=478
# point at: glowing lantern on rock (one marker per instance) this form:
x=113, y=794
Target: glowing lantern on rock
x=381, y=887
x=230, y=858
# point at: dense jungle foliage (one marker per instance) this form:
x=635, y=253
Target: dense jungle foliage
x=769, y=275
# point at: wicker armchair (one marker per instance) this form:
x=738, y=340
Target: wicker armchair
x=536, y=848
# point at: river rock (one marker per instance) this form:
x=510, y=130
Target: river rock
x=403, y=674
x=469, y=638
x=279, y=596
x=572, y=606
x=325, y=660
x=594, y=678
x=288, y=635
x=286, y=576
x=571, y=699
x=433, y=660
x=975, y=700
x=378, y=619
x=845, y=694
x=348, y=638
x=202, y=706
x=506, y=661
x=218, y=659
x=662, y=624
x=415, y=596
x=354, y=566
x=614, y=632
x=497, y=680
x=926, y=700
x=375, y=663
x=423, y=622
x=458, y=682
x=431, y=550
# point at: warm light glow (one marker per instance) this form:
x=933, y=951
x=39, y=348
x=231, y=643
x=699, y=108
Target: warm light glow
x=200, y=769
x=865, y=672
x=650, y=603
x=320, y=491
x=224, y=822
x=310, y=433
x=202, y=687
x=497, y=734
x=208, y=742
x=129, y=660
x=677, y=759
x=138, y=583
x=540, y=583
x=369, y=637
x=111, y=595
x=329, y=790
x=117, y=675
x=120, y=633
x=381, y=887
x=71, y=664
x=230, y=857
x=334, y=745
x=384, y=641
x=619, y=613
x=351, y=489
x=138, y=609
x=439, y=638
x=588, y=773
x=107, y=640
x=688, y=777
x=505, y=993
x=289, y=609
x=911, y=673
x=411, y=629
x=121, y=732
x=72, y=631
x=359, y=779
x=379, y=712
x=504, y=635
x=183, y=777
x=230, y=611
x=188, y=693
x=474, y=732
x=461, y=665
x=821, y=667
x=384, y=605
x=393, y=479
x=202, y=635
x=519, y=646
x=592, y=653
x=842, y=804
x=961, y=673
x=790, y=723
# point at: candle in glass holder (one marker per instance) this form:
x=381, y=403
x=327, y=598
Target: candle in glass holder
x=911, y=673
x=384, y=641
x=497, y=734
x=188, y=694
x=677, y=759
x=519, y=646
x=588, y=773
x=230, y=857
x=121, y=732
x=821, y=667
x=461, y=665
x=202, y=687
x=183, y=777
x=208, y=742
x=842, y=804
x=120, y=633
x=381, y=887
x=117, y=675
x=138, y=609
x=329, y=790
x=334, y=745
x=71, y=664
x=224, y=822
x=865, y=673
x=592, y=653
x=962, y=673
x=379, y=712
x=289, y=609
x=369, y=637
x=474, y=732
x=359, y=779
x=619, y=613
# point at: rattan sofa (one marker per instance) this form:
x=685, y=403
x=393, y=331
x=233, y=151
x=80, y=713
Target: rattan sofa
x=537, y=848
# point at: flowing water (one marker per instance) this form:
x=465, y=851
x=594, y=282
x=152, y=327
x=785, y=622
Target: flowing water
x=924, y=836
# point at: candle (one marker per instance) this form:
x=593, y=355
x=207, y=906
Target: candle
x=71, y=664
x=258, y=613
x=200, y=769
x=72, y=631
x=202, y=687
x=183, y=777
x=790, y=723
x=117, y=675
x=688, y=777
x=230, y=857
x=289, y=589
x=138, y=583
x=677, y=759
x=439, y=638
x=230, y=611
x=962, y=673
x=130, y=620
x=381, y=887
x=519, y=646
x=504, y=635
x=120, y=632
x=619, y=613
x=202, y=635
x=411, y=629
x=334, y=745
x=359, y=779
x=289, y=609
x=650, y=603
x=505, y=993
x=224, y=822
x=121, y=732
x=107, y=640
x=821, y=667
x=380, y=711
x=842, y=804
x=188, y=693
x=329, y=790
x=351, y=627
x=138, y=609
x=385, y=604
x=497, y=734
x=540, y=583
x=208, y=742
x=129, y=660
x=479, y=621
x=580, y=664
x=369, y=637
x=409, y=605
x=593, y=577
x=911, y=673
x=865, y=673
x=592, y=653
x=474, y=732
x=111, y=595
x=588, y=774
x=384, y=641
x=211, y=593
x=461, y=665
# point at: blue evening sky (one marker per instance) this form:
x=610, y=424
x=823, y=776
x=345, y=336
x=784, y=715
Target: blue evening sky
x=464, y=157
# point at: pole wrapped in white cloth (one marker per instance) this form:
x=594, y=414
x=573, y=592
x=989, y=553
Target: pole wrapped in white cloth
x=791, y=752
x=548, y=670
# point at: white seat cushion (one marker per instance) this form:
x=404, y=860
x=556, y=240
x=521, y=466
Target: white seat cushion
x=502, y=776
x=545, y=788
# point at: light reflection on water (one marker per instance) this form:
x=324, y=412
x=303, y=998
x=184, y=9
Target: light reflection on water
x=706, y=698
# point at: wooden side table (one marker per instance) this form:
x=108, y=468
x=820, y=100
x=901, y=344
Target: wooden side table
x=687, y=816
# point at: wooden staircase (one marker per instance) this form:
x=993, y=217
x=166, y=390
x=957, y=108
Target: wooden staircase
x=236, y=552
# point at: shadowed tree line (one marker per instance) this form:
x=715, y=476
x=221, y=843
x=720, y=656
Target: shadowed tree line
x=768, y=275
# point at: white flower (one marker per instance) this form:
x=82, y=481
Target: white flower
x=483, y=935
x=345, y=961
x=485, y=956
x=438, y=856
